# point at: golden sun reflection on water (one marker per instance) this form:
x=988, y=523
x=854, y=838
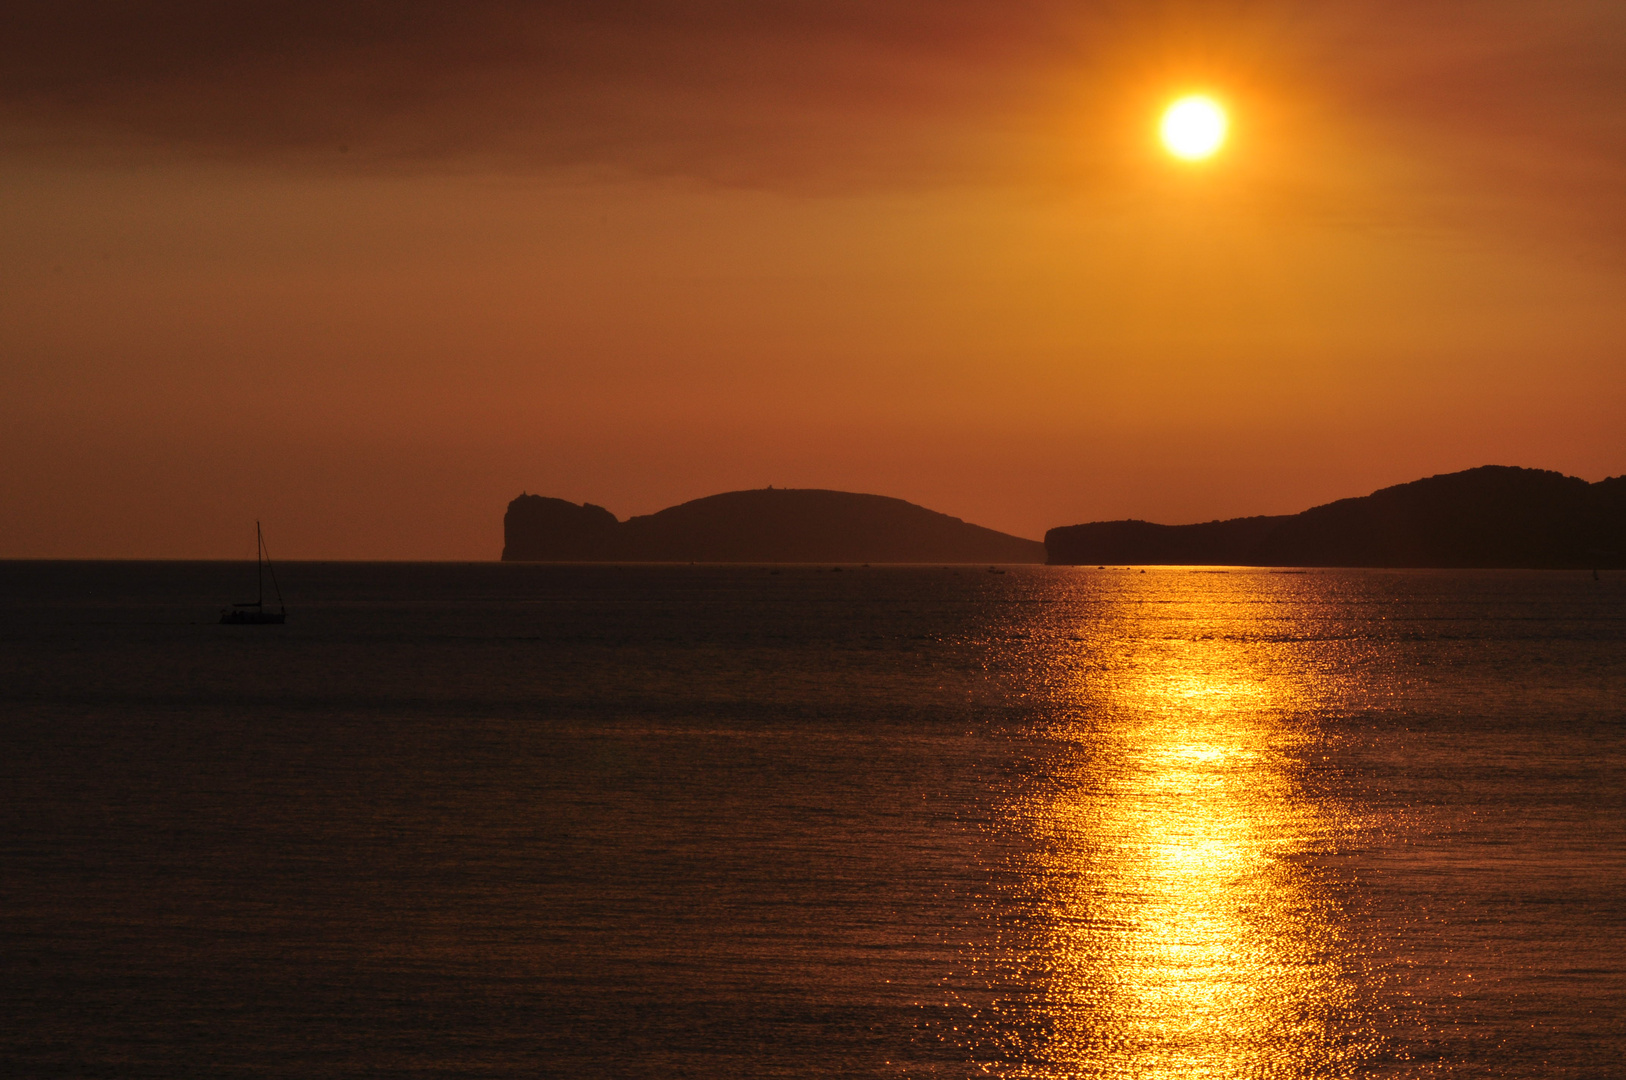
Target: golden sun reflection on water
x=1186, y=932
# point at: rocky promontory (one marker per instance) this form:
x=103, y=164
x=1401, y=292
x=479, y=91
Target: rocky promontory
x=769, y=525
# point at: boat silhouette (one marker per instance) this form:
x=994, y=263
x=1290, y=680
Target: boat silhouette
x=253, y=612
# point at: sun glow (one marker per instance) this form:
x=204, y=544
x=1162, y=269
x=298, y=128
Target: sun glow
x=1194, y=127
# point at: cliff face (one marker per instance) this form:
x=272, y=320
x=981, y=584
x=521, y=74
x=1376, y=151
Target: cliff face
x=770, y=525
x=1493, y=516
x=538, y=529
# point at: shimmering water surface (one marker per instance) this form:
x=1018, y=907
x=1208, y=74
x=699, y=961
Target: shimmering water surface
x=489, y=821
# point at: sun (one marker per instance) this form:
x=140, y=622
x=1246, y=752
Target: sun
x=1194, y=127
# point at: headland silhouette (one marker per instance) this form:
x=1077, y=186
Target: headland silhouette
x=770, y=525
x=1493, y=516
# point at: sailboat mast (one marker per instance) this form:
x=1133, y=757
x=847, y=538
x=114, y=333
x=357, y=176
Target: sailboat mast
x=259, y=564
x=272, y=570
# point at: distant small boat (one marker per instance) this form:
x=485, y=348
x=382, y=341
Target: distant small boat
x=252, y=612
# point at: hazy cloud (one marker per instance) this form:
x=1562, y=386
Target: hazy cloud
x=810, y=95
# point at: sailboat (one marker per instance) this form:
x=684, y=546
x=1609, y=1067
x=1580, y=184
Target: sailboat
x=253, y=612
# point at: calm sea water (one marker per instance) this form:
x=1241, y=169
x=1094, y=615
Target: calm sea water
x=494, y=820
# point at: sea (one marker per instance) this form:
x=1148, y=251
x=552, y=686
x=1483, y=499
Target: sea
x=634, y=821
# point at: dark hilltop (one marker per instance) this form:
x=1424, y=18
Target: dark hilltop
x=771, y=525
x=1492, y=516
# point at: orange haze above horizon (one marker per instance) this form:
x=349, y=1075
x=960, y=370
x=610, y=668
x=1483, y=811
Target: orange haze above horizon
x=369, y=281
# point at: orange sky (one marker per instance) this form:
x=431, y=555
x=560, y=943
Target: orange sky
x=369, y=271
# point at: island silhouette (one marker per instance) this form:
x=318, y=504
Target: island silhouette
x=1493, y=516
x=769, y=525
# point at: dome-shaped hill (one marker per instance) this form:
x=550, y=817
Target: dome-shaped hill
x=1492, y=516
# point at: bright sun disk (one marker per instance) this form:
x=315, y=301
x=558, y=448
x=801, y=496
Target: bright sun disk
x=1193, y=127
